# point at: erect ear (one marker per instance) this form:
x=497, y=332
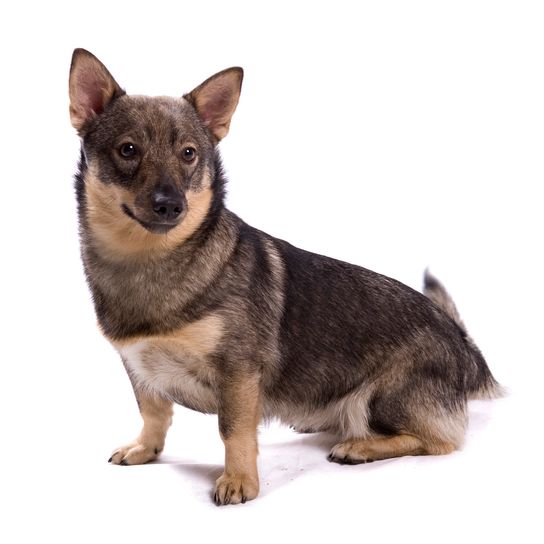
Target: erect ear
x=92, y=88
x=216, y=99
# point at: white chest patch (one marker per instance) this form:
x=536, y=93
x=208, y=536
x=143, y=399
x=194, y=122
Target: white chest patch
x=177, y=366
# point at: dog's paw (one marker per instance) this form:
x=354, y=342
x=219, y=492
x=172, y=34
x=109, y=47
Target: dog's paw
x=235, y=489
x=134, y=453
x=347, y=453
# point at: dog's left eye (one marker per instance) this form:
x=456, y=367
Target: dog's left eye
x=188, y=154
x=127, y=150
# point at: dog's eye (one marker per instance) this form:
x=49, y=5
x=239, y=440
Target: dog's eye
x=127, y=150
x=189, y=154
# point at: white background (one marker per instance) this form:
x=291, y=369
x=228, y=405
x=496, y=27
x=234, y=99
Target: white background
x=394, y=135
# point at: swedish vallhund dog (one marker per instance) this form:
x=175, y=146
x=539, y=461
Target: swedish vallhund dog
x=217, y=316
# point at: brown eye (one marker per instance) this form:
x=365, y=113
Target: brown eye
x=127, y=150
x=188, y=154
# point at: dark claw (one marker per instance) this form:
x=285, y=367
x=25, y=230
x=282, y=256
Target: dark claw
x=156, y=451
x=109, y=460
x=339, y=460
x=333, y=459
x=347, y=460
x=124, y=463
x=218, y=501
x=244, y=499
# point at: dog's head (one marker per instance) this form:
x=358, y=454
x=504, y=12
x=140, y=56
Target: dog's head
x=150, y=160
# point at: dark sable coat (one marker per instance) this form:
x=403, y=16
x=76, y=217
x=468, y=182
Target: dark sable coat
x=315, y=327
x=218, y=316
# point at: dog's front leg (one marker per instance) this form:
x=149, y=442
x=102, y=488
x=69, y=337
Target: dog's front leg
x=157, y=414
x=239, y=415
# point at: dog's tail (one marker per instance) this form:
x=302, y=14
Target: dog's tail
x=484, y=385
x=434, y=290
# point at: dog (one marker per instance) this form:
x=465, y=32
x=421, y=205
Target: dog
x=217, y=316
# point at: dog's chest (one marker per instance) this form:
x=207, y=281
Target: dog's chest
x=177, y=366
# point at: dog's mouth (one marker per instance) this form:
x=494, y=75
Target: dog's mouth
x=156, y=227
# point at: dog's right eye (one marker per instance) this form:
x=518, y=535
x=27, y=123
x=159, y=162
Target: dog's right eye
x=127, y=150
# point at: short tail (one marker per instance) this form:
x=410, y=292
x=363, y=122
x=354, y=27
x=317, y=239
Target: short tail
x=485, y=386
x=434, y=290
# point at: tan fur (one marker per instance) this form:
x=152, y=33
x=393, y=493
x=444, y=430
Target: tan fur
x=157, y=414
x=357, y=450
x=120, y=237
x=240, y=480
x=199, y=337
x=277, y=269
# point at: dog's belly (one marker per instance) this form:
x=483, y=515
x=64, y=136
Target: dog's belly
x=347, y=416
x=177, y=366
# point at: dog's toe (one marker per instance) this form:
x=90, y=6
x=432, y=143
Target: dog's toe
x=134, y=453
x=345, y=454
x=235, y=489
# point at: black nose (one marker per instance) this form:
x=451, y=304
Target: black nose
x=167, y=203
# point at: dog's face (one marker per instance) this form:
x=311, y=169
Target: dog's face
x=150, y=159
x=156, y=151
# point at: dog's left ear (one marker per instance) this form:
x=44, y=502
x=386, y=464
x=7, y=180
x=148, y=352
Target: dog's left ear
x=91, y=88
x=216, y=99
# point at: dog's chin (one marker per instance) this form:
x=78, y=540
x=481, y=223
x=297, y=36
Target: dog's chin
x=155, y=227
x=158, y=228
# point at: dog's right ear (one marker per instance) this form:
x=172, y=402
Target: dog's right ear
x=91, y=88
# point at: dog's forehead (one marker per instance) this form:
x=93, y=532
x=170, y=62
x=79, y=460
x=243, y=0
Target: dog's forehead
x=156, y=111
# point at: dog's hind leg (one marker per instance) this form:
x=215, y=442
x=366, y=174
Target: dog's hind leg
x=404, y=422
x=357, y=450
